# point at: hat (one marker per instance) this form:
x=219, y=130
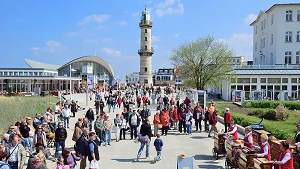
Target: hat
x=28, y=118
x=107, y=115
x=227, y=109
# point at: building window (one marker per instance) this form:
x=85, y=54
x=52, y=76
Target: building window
x=145, y=30
x=254, y=80
x=263, y=80
x=298, y=57
x=294, y=80
x=284, y=80
x=264, y=42
x=146, y=81
x=233, y=60
x=238, y=61
x=298, y=36
x=146, y=69
x=288, y=57
x=271, y=58
x=289, y=15
x=288, y=36
x=255, y=46
x=265, y=24
x=272, y=38
x=145, y=47
x=272, y=19
x=255, y=29
x=298, y=15
x=262, y=25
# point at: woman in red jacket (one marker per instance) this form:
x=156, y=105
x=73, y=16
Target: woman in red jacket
x=213, y=122
x=175, y=118
x=164, y=120
x=285, y=158
x=119, y=101
x=227, y=119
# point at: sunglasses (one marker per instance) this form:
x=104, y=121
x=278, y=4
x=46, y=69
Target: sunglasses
x=60, y=125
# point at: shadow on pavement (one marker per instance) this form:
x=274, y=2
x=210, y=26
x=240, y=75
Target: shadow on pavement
x=210, y=166
x=204, y=157
x=198, y=137
x=131, y=160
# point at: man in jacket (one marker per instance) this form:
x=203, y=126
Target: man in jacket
x=144, y=114
x=227, y=119
x=181, y=118
x=197, y=115
x=213, y=122
x=91, y=117
x=66, y=112
x=17, y=153
x=97, y=106
x=134, y=122
x=102, y=105
x=60, y=139
x=83, y=145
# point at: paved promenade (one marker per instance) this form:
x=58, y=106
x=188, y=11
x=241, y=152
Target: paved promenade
x=121, y=155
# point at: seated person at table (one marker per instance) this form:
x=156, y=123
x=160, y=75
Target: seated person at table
x=264, y=148
x=285, y=158
x=232, y=130
x=248, y=139
x=297, y=136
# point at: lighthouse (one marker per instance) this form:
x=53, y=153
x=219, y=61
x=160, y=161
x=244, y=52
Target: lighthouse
x=146, y=50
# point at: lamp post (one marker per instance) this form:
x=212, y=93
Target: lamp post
x=70, y=83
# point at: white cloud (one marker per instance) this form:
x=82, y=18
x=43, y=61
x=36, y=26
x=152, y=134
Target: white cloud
x=51, y=47
x=111, y=51
x=94, y=18
x=135, y=13
x=250, y=18
x=156, y=38
x=122, y=23
x=72, y=34
x=107, y=40
x=176, y=34
x=90, y=41
x=169, y=7
x=242, y=44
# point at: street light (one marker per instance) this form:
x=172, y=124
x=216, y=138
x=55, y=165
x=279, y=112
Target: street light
x=71, y=70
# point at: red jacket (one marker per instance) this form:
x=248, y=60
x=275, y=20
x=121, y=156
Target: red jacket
x=214, y=119
x=175, y=114
x=235, y=134
x=198, y=108
x=246, y=141
x=289, y=164
x=119, y=100
x=172, y=102
x=227, y=117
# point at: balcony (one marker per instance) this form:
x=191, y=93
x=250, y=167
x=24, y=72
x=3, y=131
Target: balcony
x=145, y=23
x=146, y=50
x=237, y=67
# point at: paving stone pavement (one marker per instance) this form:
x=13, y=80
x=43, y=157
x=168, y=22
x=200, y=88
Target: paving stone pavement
x=121, y=155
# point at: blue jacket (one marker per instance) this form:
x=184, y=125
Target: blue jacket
x=158, y=143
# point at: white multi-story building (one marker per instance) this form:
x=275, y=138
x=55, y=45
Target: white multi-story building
x=133, y=78
x=276, y=35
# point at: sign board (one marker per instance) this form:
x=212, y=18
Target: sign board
x=90, y=80
x=186, y=163
x=84, y=80
x=89, y=69
x=200, y=97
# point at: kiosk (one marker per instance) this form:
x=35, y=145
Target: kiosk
x=283, y=96
x=238, y=95
x=200, y=97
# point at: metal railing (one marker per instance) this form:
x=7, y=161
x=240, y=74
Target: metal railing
x=146, y=50
x=266, y=67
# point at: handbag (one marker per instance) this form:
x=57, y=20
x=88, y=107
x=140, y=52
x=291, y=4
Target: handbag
x=159, y=126
x=143, y=139
x=93, y=165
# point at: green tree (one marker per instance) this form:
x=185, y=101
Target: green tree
x=203, y=62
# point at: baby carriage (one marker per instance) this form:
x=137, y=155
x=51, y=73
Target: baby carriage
x=50, y=140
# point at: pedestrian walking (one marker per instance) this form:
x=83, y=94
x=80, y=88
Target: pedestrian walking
x=91, y=117
x=60, y=139
x=213, y=122
x=117, y=123
x=144, y=139
x=123, y=127
x=66, y=112
x=94, y=155
x=158, y=144
x=107, y=127
x=227, y=119
x=134, y=122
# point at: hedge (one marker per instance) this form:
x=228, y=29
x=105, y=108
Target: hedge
x=245, y=121
x=291, y=105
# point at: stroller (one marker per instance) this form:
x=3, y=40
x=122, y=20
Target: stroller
x=50, y=140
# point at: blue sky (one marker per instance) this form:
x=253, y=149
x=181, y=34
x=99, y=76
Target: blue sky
x=58, y=31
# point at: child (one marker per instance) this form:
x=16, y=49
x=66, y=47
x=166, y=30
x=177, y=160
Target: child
x=70, y=158
x=61, y=165
x=158, y=143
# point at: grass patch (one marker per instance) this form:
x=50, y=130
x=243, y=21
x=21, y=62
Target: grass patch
x=13, y=109
x=280, y=129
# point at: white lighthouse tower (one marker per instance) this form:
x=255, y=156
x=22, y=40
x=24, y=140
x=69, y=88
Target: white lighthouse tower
x=146, y=50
